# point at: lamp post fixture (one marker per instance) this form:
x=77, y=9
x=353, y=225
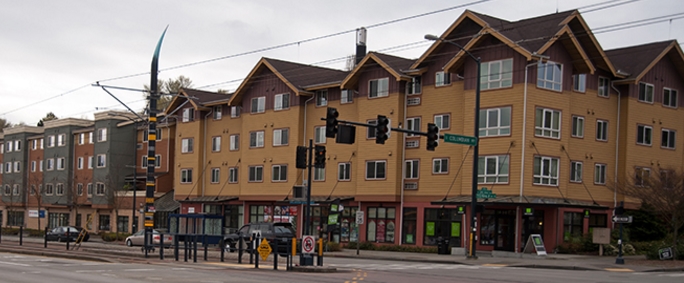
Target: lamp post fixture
x=476, y=149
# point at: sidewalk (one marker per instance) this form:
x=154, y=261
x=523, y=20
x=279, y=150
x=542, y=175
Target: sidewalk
x=90, y=251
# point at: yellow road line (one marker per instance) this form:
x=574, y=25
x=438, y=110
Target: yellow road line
x=235, y=265
x=619, y=269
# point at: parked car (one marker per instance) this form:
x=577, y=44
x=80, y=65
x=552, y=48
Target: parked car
x=59, y=234
x=280, y=232
x=138, y=239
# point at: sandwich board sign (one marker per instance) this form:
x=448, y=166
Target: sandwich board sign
x=535, y=242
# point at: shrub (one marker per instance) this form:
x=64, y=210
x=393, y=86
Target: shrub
x=111, y=236
x=333, y=247
x=391, y=248
x=578, y=245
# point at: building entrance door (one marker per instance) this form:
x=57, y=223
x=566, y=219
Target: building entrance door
x=505, y=231
x=532, y=224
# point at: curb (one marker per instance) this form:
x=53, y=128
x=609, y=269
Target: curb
x=398, y=259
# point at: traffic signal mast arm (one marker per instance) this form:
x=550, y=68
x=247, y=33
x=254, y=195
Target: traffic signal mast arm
x=393, y=129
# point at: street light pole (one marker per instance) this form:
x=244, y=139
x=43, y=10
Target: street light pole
x=476, y=148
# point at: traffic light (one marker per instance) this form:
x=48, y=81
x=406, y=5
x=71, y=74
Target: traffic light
x=331, y=122
x=432, y=136
x=382, y=129
x=319, y=156
x=301, y=157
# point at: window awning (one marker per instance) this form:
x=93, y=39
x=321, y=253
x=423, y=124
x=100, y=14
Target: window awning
x=521, y=201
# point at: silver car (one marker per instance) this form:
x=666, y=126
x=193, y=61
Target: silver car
x=138, y=239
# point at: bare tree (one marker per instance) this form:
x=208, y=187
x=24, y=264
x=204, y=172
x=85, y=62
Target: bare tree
x=76, y=193
x=663, y=191
x=115, y=192
x=4, y=124
x=170, y=87
x=48, y=117
x=36, y=191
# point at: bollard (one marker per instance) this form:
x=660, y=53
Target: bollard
x=204, y=243
x=185, y=249
x=320, y=252
x=275, y=254
x=45, y=236
x=67, y=238
x=239, y=248
x=161, y=246
x=194, y=257
x=287, y=257
x=175, y=247
x=251, y=253
x=223, y=248
x=256, y=257
x=21, y=235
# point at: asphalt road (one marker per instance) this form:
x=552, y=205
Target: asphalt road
x=25, y=268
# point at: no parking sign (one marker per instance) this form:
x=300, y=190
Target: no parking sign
x=308, y=244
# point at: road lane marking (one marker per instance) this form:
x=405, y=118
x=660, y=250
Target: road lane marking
x=619, y=270
x=234, y=265
x=14, y=263
x=140, y=269
x=495, y=264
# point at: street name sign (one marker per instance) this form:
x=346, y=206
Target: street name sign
x=459, y=139
x=485, y=193
x=622, y=219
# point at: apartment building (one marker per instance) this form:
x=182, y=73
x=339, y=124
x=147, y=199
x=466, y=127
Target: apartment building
x=560, y=119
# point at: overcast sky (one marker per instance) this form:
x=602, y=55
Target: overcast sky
x=51, y=51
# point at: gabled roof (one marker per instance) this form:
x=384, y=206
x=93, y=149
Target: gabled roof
x=300, y=78
x=526, y=36
x=397, y=66
x=198, y=98
x=638, y=60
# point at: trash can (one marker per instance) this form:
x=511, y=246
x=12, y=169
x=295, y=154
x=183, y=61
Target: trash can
x=443, y=246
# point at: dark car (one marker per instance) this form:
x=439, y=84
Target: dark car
x=280, y=232
x=60, y=234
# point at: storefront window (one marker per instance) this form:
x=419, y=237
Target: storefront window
x=488, y=229
x=409, y=226
x=597, y=221
x=348, y=231
x=381, y=224
x=572, y=225
x=232, y=217
x=444, y=223
x=258, y=213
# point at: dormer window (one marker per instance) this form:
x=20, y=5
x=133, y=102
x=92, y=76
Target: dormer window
x=414, y=86
x=188, y=114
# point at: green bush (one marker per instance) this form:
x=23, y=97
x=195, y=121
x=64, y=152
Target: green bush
x=333, y=247
x=112, y=237
x=651, y=249
x=391, y=248
x=578, y=245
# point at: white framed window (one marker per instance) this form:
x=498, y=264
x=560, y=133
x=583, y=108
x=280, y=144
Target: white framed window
x=279, y=173
x=641, y=176
x=378, y=88
x=414, y=86
x=34, y=144
x=645, y=92
x=8, y=167
x=258, y=104
x=60, y=163
x=50, y=142
x=256, y=173
x=375, y=170
x=216, y=144
x=495, y=122
x=2, y=168
x=319, y=134
x=145, y=135
x=10, y=146
x=492, y=169
x=233, y=175
x=100, y=189
x=579, y=82
x=347, y=96
x=370, y=131
x=61, y=140
x=670, y=97
x=143, y=162
x=644, y=135
x=600, y=174
x=157, y=160
x=601, y=130
x=412, y=124
x=102, y=134
x=33, y=190
x=547, y=123
x=235, y=111
x=40, y=165
x=159, y=134
x=234, y=142
x=319, y=174
x=321, y=97
x=90, y=162
x=15, y=190
x=17, y=166
x=217, y=112
x=442, y=78
x=440, y=166
x=81, y=138
x=50, y=164
x=256, y=139
x=188, y=115
x=576, y=172
x=187, y=145
x=344, y=171
x=89, y=189
x=49, y=189
x=2, y=148
x=215, y=175
x=33, y=166
x=79, y=163
x=90, y=138
x=578, y=126
x=668, y=138
x=281, y=137
x=603, y=87
x=186, y=176
x=101, y=160
x=282, y=101
x=412, y=169
x=443, y=121
x=17, y=145
x=550, y=76
x=60, y=189
x=79, y=189
x=496, y=74
x=546, y=170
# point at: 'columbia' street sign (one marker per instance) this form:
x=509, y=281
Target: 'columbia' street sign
x=459, y=139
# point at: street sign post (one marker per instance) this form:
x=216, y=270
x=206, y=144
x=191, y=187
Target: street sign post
x=622, y=219
x=308, y=244
x=460, y=139
x=264, y=249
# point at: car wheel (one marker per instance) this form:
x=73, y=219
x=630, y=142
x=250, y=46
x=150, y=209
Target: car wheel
x=230, y=246
x=129, y=243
